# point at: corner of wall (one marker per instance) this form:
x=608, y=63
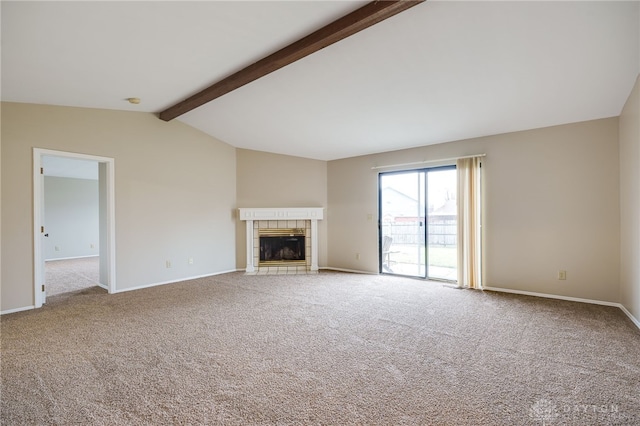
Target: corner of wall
x=629, y=144
x=0, y=212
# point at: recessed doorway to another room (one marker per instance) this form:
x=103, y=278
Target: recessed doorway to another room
x=74, y=224
x=71, y=219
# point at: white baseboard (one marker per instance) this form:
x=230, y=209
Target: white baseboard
x=552, y=296
x=571, y=299
x=11, y=311
x=631, y=317
x=71, y=258
x=353, y=271
x=140, y=287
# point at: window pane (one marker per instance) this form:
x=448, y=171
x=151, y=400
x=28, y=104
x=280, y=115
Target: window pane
x=442, y=224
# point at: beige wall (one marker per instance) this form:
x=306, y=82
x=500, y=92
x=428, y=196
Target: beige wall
x=0, y=207
x=174, y=193
x=71, y=217
x=274, y=180
x=630, y=203
x=551, y=202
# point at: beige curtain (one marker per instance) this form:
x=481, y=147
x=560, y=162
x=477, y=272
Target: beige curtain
x=469, y=222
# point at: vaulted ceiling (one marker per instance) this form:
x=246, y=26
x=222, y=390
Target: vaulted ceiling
x=440, y=71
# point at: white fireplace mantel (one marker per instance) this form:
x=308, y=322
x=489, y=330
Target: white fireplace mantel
x=313, y=214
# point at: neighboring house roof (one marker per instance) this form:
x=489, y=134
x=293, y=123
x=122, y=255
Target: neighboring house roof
x=449, y=208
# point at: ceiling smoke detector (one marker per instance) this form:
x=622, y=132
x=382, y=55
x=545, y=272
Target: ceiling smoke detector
x=134, y=101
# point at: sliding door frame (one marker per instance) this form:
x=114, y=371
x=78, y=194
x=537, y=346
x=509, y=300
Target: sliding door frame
x=424, y=213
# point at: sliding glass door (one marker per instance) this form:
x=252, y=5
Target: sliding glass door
x=418, y=223
x=442, y=224
x=402, y=223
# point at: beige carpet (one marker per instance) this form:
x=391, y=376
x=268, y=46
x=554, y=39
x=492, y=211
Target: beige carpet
x=326, y=349
x=71, y=275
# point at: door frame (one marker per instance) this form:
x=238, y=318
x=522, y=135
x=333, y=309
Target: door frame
x=380, y=223
x=38, y=218
x=425, y=214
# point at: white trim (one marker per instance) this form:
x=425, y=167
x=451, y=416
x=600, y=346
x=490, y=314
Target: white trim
x=631, y=317
x=353, y=271
x=281, y=213
x=38, y=202
x=571, y=299
x=250, y=267
x=12, y=311
x=140, y=287
x=551, y=296
x=416, y=163
x=71, y=258
x=38, y=195
x=635, y=321
x=314, y=245
x=249, y=215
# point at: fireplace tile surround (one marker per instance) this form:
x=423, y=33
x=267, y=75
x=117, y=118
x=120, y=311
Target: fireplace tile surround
x=278, y=218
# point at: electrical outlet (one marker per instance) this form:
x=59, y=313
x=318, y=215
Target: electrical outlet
x=562, y=275
x=92, y=245
x=168, y=264
x=190, y=261
x=357, y=256
x=57, y=248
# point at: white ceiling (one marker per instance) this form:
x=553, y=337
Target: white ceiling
x=440, y=71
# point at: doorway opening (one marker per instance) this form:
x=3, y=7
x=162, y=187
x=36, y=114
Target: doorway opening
x=74, y=227
x=418, y=223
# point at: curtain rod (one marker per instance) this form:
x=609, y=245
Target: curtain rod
x=427, y=161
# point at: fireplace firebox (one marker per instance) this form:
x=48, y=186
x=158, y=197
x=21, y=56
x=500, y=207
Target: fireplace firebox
x=282, y=246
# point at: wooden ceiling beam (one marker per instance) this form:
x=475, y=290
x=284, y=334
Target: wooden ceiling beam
x=356, y=21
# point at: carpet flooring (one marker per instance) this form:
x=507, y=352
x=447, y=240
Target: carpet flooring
x=326, y=349
x=71, y=275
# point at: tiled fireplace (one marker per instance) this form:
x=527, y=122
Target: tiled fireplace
x=282, y=240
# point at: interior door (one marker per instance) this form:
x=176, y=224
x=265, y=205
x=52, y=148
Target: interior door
x=418, y=223
x=44, y=237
